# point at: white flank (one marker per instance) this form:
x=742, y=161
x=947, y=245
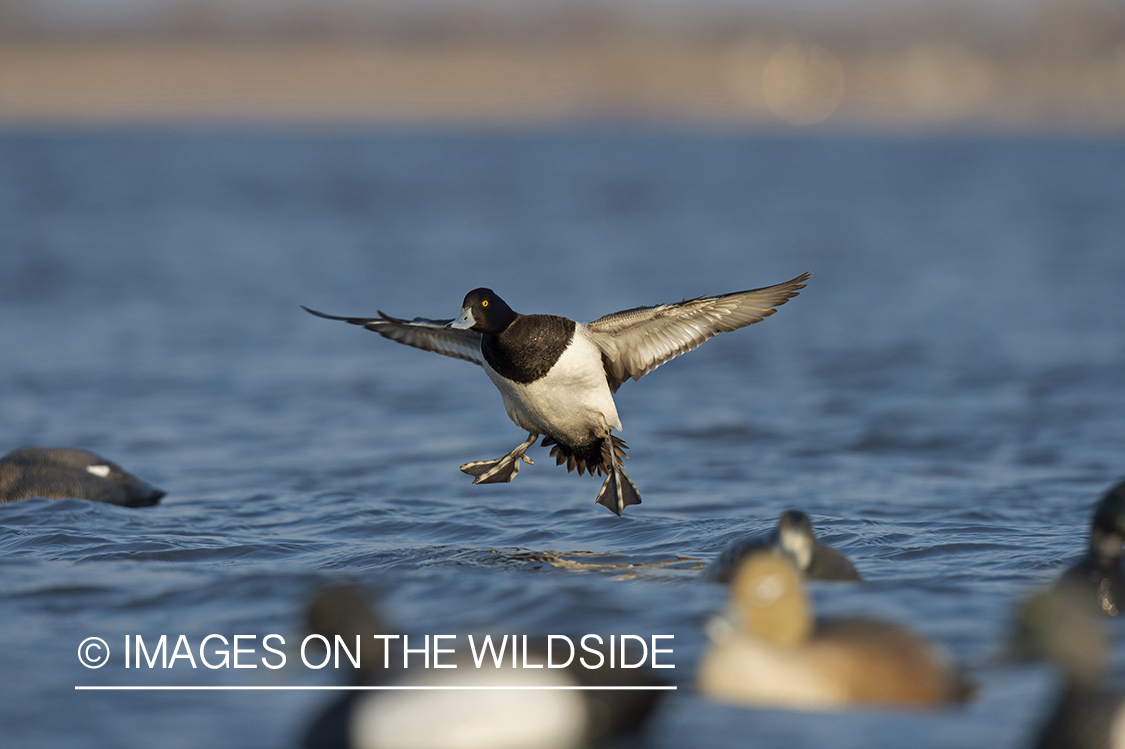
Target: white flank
x=473, y=720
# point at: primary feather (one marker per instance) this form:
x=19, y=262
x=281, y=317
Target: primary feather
x=423, y=333
x=636, y=341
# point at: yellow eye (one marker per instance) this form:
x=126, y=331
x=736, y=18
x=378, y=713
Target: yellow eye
x=484, y=303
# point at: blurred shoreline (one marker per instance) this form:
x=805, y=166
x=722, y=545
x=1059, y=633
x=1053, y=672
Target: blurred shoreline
x=1060, y=68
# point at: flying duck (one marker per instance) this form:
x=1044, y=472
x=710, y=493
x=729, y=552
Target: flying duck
x=557, y=376
x=66, y=472
x=1099, y=572
x=773, y=653
x=794, y=537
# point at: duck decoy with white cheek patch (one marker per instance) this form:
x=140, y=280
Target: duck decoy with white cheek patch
x=793, y=536
x=1099, y=572
x=557, y=376
x=66, y=472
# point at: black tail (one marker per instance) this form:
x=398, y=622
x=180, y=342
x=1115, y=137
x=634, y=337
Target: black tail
x=593, y=457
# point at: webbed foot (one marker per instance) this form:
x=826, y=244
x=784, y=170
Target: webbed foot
x=618, y=491
x=500, y=470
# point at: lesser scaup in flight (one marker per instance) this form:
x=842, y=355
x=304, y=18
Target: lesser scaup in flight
x=1100, y=570
x=65, y=472
x=557, y=376
x=773, y=653
x=793, y=536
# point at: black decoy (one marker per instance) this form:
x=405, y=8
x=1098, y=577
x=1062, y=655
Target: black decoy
x=66, y=472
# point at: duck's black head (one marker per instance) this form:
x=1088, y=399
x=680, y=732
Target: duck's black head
x=1107, y=532
x=795, y=521
x=484, y=312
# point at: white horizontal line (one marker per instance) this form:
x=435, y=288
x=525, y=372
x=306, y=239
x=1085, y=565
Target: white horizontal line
x=464, y=688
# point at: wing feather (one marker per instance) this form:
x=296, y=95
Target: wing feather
x=428, y=335
x=636, y=341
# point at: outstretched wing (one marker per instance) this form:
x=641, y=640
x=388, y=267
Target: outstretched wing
x=636, y=341
x=428, y=335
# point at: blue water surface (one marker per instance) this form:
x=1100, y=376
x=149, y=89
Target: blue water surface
x=946, y=399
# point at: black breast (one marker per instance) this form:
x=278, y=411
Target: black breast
x=529, y=347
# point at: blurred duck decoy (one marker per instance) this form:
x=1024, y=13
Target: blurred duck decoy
x=1061, y=627
x=343, y=610
x=1099, y=572
x=65, y=472
x=776, y=655
x=536, y=713
x=794, y=537
x=557, y=377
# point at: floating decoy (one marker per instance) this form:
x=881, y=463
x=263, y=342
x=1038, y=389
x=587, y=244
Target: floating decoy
x=774, y=654
x=1061, y=627
x=557, y=376
x=793, y=536
x=1099, y=572
x=493, y=706
x=66, y=472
